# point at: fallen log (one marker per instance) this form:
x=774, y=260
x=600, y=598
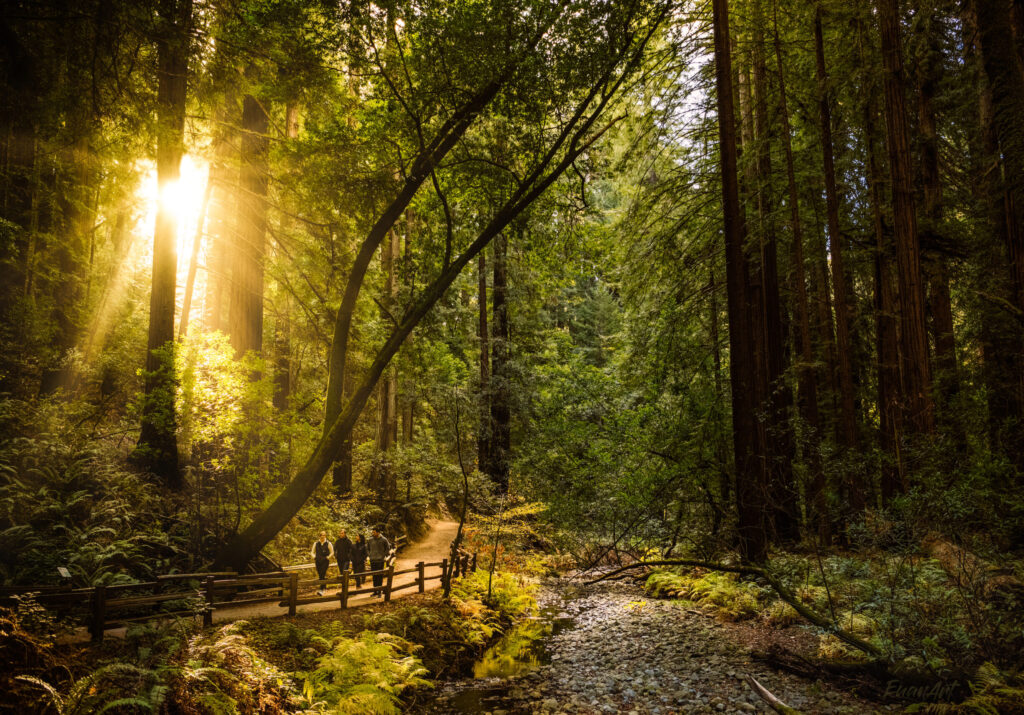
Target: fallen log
x=970, y=571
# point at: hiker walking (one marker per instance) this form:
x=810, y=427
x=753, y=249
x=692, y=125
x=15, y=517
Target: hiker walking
x=343, y=550
x=358, y=557
x=377, y=548
x=322, y=552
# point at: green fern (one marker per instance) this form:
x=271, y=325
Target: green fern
x=364, y=674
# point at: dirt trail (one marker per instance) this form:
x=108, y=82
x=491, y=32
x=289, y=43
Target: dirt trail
x=433, y=547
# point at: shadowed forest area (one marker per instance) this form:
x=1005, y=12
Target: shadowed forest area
x=704, y=320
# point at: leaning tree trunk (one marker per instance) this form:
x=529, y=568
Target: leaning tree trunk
x=157, y=450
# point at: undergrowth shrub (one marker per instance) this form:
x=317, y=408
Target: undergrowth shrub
x=730, y=598
x=364, y=674
x=65, y=501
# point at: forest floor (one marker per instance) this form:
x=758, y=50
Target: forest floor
x=618, y=651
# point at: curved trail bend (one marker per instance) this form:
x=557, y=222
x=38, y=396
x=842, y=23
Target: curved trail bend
x=433, y=547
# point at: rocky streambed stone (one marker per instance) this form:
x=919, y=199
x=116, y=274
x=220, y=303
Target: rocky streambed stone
x=629, y=654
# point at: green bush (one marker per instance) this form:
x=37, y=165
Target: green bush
x=364, y=674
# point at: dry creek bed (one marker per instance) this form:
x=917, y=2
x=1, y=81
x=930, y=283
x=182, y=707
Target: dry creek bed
x=616, y=651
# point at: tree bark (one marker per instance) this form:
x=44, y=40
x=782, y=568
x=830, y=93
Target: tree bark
x=919, y=413
x=483, y=440
x=157, y=450
x=939, y=301
x=1003, y=342
x=246, y=319
x=836, y=243
x=749, y=495
x=499, y=449
x=807, y=382
x=782, y=493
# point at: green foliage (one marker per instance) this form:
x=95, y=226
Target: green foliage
x=65, y=501
x=364, y=674
x=730, y=598
x=993, y=692
x=174, y=670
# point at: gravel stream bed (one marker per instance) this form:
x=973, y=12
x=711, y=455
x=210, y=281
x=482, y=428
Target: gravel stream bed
x=625, y=653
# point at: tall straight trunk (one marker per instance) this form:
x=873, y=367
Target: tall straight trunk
x=250, y=246
x=939, y=301
x=892, y=481
x=222, y=214
x=836, y=241
x=919, y=413
x=282, y=326
x=782, y=493
x=755, y=294
x=387, y=398
x=483, y=440
x=500, y=444
x=807, y=381
x=76, y=177
x=1002, y=341
x=753, y=540
x=721, y=449
x=157, y=449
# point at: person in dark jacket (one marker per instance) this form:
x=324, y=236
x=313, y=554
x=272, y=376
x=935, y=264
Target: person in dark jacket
x=322, y=552
x=343, y=550
x=378, y=548
x=358, y=557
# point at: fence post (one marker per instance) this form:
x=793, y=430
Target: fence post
x=293, y=593
x=208, y=611
x=422, y=580
x=445, y=580
x=344, y=588
x=391, y=577
x=99, y=612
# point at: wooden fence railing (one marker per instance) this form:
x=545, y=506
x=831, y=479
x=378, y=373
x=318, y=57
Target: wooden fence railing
x=104, y=607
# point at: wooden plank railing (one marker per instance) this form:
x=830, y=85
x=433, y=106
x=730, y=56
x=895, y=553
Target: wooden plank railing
x=120, y=604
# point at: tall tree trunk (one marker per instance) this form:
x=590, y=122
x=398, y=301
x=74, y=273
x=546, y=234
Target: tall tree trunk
x=250, y=245
x=782, y=493
x=1002, y=340
x=836, y=241
x=157, y=449
x=939, y=301
x=483, y=440
x=807, y=382
x=919, y=413
x=749, y=495
x=501, y=414
x=750, y=202
x=892, y=480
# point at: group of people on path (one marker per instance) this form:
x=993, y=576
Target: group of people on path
x=352, y=553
